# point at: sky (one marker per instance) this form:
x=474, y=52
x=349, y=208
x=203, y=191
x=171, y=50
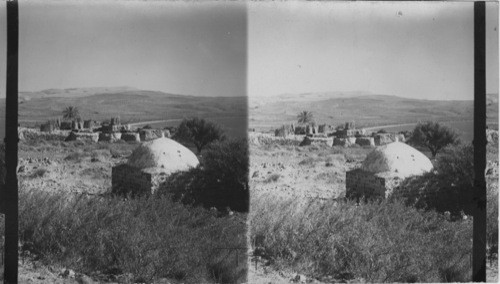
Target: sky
x=176, y=47
x=415, y=50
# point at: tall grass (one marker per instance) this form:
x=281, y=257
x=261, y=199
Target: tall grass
x=378, y=242
x=150, y=238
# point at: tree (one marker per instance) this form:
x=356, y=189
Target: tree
x=433, y=136
x=199, y=132
x=305, y=117
x=71, y=112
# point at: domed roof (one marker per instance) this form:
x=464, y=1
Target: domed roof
x=397, y=158
x=163, y=154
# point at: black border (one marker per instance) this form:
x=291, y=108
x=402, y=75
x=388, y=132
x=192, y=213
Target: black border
x=11, y=140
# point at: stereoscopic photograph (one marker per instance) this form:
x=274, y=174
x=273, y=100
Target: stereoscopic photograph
x=246, y=141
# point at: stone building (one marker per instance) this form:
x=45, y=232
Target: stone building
x=149, y=165
x=384, y=169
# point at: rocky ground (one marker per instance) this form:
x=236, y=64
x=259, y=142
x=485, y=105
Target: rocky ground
x=315, y=171
x=70, y=168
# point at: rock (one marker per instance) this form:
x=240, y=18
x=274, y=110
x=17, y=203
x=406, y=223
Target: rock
x=84, y=279
x=299, y=278
x=67, y=273
x=492, y=136
x=21, y=169
x=20, y=135
x=255, y=174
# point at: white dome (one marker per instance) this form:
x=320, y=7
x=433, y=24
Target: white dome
x=397, y=158
x=164, y=154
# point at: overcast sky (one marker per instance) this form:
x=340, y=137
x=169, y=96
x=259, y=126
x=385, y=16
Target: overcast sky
x=420, y=50
x=416, y=50
x=177, y=47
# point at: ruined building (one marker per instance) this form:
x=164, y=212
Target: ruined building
x=149, y=165
x=384, y=169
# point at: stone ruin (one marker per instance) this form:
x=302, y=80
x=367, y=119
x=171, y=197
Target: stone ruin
x=285, y=130
x=384, y=169
x=149, y=166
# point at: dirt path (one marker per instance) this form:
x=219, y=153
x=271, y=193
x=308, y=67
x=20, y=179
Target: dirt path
x=372, y=128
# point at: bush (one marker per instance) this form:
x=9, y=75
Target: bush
x=373, y=242
x=450, y=187
x=150, y=238
x=221, y=181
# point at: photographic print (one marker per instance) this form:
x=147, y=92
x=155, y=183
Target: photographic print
x=361, y=128
x=248, y=142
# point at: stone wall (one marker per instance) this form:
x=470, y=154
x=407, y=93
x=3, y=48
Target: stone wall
x=83, y=136
x=131, y=136
x=109, y=137
x=130, y=180
x=88, y=124
x=365, y=141
x=360, y=183
x=345, y=142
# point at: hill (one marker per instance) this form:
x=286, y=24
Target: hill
x=131, y=105
x=366, y=109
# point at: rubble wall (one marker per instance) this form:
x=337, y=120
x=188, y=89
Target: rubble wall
x=130, y=180
x=361, y=183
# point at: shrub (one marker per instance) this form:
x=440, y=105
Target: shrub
x=221, y=181
x=448, y=188
x=150, y=238
x=375, y=241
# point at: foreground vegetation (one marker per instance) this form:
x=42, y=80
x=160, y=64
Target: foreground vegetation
x=145, y=238
x=374, y=242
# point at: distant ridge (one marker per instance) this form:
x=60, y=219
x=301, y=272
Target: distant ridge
x=131, y=104
x=365, y=108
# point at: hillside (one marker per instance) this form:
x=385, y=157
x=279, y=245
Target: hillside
x=364, y=108
x=131, y=105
